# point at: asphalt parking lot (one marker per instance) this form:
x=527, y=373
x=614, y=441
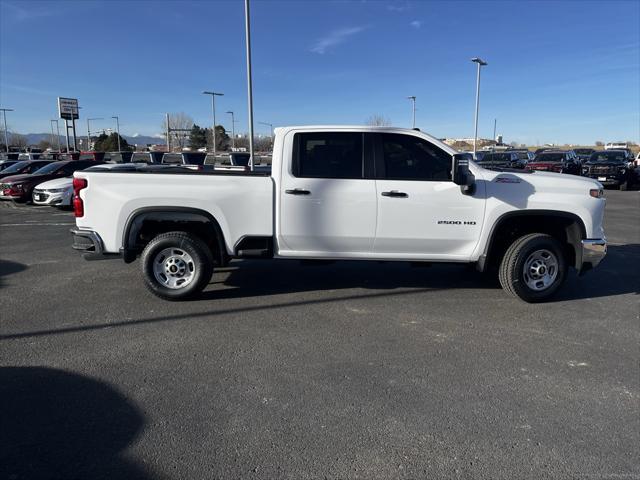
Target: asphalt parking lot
x=351, y=370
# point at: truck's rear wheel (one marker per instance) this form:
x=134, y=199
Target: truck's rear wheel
x=533, y=268
x=176, y=265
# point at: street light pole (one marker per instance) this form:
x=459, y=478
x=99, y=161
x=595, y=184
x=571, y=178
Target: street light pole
x=481, y=63
x=58, y=132
x=233, y=130
x=118, y=130
x=89, y=132
x=495, y=123
x=413, y=100
x=247, y=31
x=213, y=107
x=6, y=136
x=270, y=125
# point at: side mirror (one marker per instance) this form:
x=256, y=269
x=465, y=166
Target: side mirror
x=461, y=175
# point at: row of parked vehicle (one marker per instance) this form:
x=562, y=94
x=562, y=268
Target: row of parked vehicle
x=46, y=178
x=616, y=168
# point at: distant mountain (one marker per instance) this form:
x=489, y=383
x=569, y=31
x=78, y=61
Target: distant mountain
x=35, y=138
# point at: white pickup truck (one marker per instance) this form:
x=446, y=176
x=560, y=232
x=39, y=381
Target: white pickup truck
x=345, y=193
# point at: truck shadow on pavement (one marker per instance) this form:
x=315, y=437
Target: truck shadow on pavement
x=8, y=267
x=61, y=425
x=616, y=275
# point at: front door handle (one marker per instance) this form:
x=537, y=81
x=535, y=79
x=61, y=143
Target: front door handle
x=298, y=191
x=395, y=194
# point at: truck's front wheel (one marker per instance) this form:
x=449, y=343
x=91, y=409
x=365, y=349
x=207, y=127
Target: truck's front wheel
x=533, y=268
x=176, y=265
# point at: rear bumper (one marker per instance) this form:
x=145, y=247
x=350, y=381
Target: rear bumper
x=90, y=243
x=593, y=251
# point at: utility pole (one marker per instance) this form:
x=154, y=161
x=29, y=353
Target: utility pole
x=495, y=122
x=247, y=29
x=89, y=132
x=6, y=136
x=52, y=134
x=413, y=100
x=233, y=130
x=481, y=63
x=118, y=130
x=213, y=108
x=168, y=133
x=270, y=125
x=58, y=136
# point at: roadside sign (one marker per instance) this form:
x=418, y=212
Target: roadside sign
x=68, y=108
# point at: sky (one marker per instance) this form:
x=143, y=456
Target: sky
x=558, y=72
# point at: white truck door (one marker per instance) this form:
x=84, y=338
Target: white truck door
x=422, y=214
x=327, y=200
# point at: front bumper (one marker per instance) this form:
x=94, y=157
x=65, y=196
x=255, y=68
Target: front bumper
x=90, y=243
x=593, y=251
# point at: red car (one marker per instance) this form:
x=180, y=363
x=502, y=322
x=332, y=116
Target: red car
x=20, y=187
x=559, y=161
x=25, y=166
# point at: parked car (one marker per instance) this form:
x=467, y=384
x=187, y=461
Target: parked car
x=501, y=160
x=23, y=167
x=118, y=157
x=29, y=156
x=559, y=161
x=525, y=155
x=20, y=187
x=8, y=159
x=584, y=154
x=94, y=156
x=610, y=168
x=147, y=157
x=190, y=159
x=416, y=199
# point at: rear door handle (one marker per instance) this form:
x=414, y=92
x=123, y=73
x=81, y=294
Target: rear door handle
x=298, y=191
x=395, y=193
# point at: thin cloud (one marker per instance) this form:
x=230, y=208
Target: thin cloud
x=416, y=24
x=20, y=14
x=335, y=38
x=398, y=7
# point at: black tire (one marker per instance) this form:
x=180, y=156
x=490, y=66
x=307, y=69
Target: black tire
x=512, y=274
x=200, y=265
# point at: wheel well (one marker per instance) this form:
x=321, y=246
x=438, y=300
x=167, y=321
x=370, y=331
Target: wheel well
x=143, y=226
x=568, y=229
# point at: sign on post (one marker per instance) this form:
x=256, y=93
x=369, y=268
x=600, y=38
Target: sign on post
x=68, y=108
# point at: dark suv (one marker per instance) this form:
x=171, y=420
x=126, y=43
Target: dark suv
x=584, y=154
x=610, y=168
x=502, y=160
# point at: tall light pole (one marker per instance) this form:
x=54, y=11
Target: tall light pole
x=89, y=131
x=247, y=31
x=213, y=107
x=413, y=100
x=58, y=132
x=6, y=136
x=495, y=124
x=117, y=130
x=270, y=125
x=233, y=129
x=481, y=63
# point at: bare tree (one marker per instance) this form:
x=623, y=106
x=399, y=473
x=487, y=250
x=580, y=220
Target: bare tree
x=599, y=143
x=378, y=121
x=179, y=121
x=17, y=140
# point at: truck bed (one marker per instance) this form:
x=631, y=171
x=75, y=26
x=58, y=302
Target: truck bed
x=241, y=202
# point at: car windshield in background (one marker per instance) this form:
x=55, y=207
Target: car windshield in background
x=16, y=167
x=241, y=159
x=608, y=157
x=194, y=158
x=523, y=155
x=550, y=157
x=496, y=157
x=172, y=158
x=583, y=151
x=87, y=157
x=52, y=167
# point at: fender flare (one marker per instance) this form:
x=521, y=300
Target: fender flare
x=136, y=220
x=573, y=237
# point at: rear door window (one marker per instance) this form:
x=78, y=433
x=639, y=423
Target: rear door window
x=407, y=157
x=328, y=155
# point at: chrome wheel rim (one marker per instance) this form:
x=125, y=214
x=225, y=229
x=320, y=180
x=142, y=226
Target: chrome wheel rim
x=540, y=270
x=173, y=268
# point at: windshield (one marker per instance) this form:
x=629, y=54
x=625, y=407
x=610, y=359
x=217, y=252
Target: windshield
x=607, y=157
x=16, y=167
x=583, y=151
x=550, y=157
x=52, y=167
x=496, y=157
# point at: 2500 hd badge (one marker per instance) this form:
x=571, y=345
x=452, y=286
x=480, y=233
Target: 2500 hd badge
x=456, y=222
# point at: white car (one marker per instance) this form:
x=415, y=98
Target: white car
x=57, y=192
